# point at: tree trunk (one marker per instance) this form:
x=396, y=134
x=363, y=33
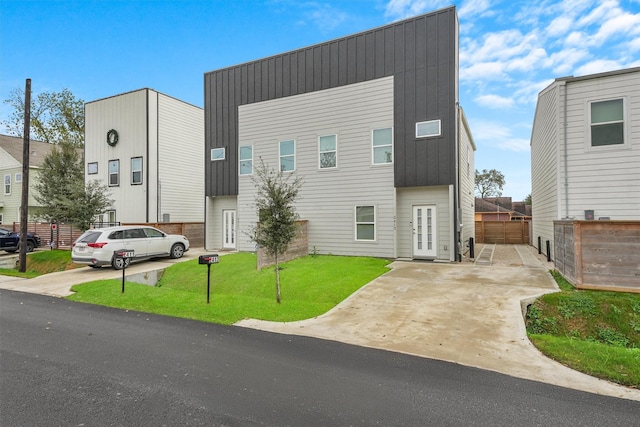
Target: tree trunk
x=277, y=280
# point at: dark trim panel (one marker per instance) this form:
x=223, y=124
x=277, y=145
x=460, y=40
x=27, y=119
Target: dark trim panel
x=421, y=54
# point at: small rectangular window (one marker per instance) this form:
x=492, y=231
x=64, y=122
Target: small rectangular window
x=246, y=160
x=287, y=156
x=111, y=217
x=328, y=151
x=607, y=123
x=217, y=154
x=382, y=141
x=136, y=170
x=92, y=168
x=18, y=177
x=114, y=173
x=428, y=129
x=365, y=223
x=7, y=184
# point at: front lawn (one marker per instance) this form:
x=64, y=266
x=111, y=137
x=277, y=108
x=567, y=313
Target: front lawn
x=311, y=286
x=594, y=332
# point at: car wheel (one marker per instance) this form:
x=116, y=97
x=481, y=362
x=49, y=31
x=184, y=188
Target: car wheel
x=30, y=247
x=177, y=250
x=11, y=250
x=120, y=263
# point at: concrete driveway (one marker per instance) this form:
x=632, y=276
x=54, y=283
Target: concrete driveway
x=464, y=313
x=468, y=313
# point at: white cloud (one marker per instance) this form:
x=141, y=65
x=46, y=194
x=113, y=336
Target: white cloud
x=322, y=16
x=494, y=101
x=598, y=66
x=471, y=8
x=483, y=71
x=400, y=9
x=497, y=135
x=559, y=26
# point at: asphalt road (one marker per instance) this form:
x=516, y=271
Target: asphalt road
x=70, y=364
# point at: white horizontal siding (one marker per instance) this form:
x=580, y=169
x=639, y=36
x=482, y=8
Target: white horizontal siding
x=603, y=179
x=215, y=206
x=544, y=163
x=127, y=114
x=180, y=161
x=328, y=197
x=410, y=197
x=466, y=171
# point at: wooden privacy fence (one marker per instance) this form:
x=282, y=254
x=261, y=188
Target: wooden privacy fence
x=65, y=234
x=504, y=232
x=598, y=254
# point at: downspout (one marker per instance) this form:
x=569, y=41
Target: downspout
x=565, y=148
x=148, y=163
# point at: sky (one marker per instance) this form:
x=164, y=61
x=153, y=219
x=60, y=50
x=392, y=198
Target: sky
x=509, y=51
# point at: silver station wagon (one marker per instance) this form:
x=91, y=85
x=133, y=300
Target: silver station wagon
x=96, y=247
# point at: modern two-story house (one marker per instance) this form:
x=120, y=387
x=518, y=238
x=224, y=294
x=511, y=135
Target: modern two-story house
x=585, y=150
x=372, y=125
x=147, y=147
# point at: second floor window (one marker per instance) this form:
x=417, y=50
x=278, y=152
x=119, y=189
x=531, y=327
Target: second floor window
x=246, y=160
x=114, y=173
x=607, y=123
x=7, y=184
x=328, y=150
x=287, y=156
x=136, y=170
x=382, y=140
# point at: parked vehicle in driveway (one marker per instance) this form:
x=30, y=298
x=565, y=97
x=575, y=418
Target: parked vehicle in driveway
x=10, y=240
x=96, y=247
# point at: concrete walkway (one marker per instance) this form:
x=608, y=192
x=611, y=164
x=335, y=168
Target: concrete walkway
x=466, y=313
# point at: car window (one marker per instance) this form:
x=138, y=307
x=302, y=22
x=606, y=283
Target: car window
x=89, y=237
x=152, y=232
x=4, y=232
x=134, y=233
x=117, y=235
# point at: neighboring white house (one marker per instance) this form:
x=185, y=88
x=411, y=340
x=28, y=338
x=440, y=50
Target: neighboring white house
x=585, y=150
x=147, y=147
x=11, y=159
x=371, y=124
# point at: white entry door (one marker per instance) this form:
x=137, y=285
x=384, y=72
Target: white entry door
x=424, y=231
x=229, y=229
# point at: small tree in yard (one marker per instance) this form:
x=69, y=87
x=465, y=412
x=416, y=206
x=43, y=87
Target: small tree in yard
x=275, y=198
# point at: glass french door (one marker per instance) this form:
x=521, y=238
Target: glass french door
x=424, y=231
x=229, y=229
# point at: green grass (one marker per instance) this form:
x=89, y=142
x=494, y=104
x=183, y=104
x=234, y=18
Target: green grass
x=43, y=262
x=310, y=286
x=595, y=332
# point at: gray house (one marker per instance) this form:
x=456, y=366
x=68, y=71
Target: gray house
x=585, y=150
x=371, y=123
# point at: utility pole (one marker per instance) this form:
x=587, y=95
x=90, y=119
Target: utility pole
x=24, y=206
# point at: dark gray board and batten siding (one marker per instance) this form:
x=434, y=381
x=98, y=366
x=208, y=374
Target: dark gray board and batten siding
x=421, y=55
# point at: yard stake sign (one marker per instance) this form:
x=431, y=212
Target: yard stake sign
x=124, y=256
x=208, y=260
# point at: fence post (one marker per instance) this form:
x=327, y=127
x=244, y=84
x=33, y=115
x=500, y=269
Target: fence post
x=539, y=245
x=548, y=251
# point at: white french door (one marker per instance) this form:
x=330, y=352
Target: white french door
x=229, y=229
x=424, y=231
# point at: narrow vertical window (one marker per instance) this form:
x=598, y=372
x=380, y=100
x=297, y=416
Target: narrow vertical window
x=365, y=223
x=114, y=173
x=287, y=156
x=246, y=160
x=92, y=168
x=111, y=217
x=136, y=170
x=7, y=184
x=18, y=177
x=382, y=140
x=328, y=151
x=607, y=123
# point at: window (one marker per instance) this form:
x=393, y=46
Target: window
x=217, y=154
x=136, y=170
x=328, y=151
x=92, y=168
x=111, y=215
x=427, y=129
x=7, y=184
x=246, y=160
x=607, y=123
x=365, y=223
x=18, y=177
x=287, y=156
x=114, y=173
x=382, y=140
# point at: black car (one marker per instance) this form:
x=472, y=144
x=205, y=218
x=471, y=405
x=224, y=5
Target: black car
x=9, y=241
